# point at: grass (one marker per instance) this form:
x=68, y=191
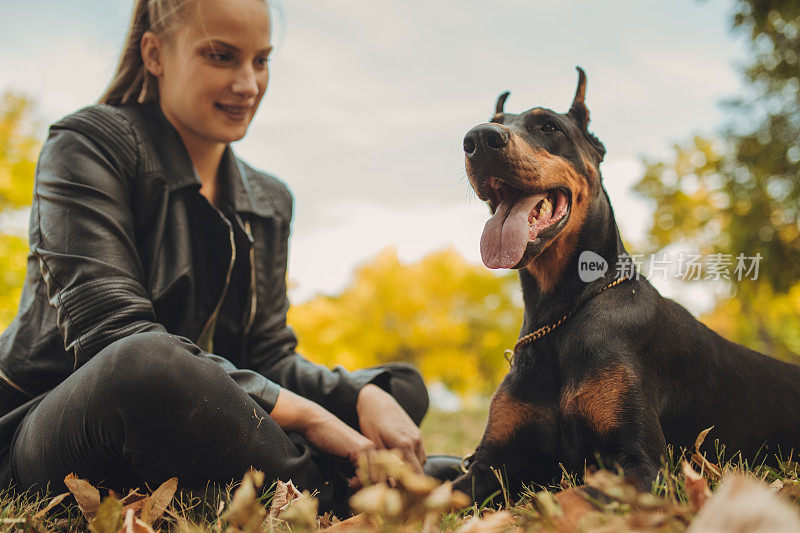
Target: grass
x=453, y=433
x=748, y=495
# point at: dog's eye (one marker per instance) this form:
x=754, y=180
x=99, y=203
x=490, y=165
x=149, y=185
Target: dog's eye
x=548, y=127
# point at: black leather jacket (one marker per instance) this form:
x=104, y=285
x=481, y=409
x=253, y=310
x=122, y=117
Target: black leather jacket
x=122, y=242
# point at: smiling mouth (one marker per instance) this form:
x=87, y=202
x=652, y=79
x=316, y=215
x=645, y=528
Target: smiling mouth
x=234, y=112
x=522, y=224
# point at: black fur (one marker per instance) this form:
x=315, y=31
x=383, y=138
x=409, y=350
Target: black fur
x=677, y=377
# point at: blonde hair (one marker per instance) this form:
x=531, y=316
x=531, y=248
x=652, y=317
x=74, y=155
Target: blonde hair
x=132, y=81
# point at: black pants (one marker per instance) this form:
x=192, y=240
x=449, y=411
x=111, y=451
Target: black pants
x=135, y=414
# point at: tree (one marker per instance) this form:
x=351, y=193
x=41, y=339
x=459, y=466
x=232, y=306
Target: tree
x=740, y=192
x=19, y=148
x=450, y=318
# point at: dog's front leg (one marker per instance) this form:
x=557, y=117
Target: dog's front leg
x=606, y=418
x=519, y=444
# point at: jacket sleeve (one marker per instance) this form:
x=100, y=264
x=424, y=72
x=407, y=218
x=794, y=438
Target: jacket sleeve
x=272, y=343
x=83, y=234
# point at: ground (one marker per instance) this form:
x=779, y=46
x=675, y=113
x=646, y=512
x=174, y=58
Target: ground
x=695, y=493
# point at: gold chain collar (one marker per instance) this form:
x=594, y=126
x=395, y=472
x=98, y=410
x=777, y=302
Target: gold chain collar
x=544, y=330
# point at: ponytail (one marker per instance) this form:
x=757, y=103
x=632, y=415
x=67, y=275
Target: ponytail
x=132, y=81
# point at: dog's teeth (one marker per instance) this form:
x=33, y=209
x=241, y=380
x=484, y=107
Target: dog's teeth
x=546, y=210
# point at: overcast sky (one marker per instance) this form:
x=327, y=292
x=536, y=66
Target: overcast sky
x=369, y=101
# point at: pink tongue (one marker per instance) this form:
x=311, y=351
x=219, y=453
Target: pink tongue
x=507, y=233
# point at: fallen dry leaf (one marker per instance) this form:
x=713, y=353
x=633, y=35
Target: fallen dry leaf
x=743, y=505
x=444, y=499
x=700, y=459
x=650, y=520
x=489, y=523
x=326, y=519
x=244, y=511
x=701, y=439
x=418, y=485
x=55, y=501
x=546, y=506
x=574, y=506
x=154, y=505
x=382, y=466
x=617, y=488
x=706, y=465
x=378, y=500
x=284, y=494
x=301, y=511
x=356, y=522
x=134, y=525
x=108, y=518
x=87, y=496
x=790, y=491
x=697, y=490
x=602, y=523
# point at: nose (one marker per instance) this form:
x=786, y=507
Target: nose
x=246, y=81
x=491, y=136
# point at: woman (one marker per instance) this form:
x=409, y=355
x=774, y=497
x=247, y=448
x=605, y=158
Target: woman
x=151, y=339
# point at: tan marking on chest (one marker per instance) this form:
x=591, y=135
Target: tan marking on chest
x=600, y=400
x=508, y=415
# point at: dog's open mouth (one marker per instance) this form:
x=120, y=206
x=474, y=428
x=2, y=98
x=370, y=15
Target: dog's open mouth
x=521, y=221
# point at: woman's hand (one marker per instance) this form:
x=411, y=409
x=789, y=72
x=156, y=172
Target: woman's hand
x=319, y=426
x=387, y=425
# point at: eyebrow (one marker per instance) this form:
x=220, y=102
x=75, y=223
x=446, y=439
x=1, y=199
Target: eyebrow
x=539, y=113
x=223, y=44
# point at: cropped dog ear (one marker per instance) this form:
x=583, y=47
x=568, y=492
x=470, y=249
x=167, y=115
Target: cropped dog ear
x=501, y=101
x=578, y=110
x=580, y=113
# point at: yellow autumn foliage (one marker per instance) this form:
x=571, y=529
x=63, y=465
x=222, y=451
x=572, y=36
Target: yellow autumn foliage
x=450, y=318
x=13, y=251
x=761, y=318
x=19, y=149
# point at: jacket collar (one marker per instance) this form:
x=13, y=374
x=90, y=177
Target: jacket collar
x=179, y=172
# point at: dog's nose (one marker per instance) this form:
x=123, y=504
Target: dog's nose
x=490, y=136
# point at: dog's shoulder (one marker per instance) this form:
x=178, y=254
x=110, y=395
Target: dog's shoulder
x=610, y=328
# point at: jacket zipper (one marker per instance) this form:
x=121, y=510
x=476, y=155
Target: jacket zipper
x=8, y=380
x=212, y=319
x=253, y=293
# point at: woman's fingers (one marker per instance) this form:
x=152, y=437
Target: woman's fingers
x=420, y=451
x=385, y=422
x=413, y=460
x=359, y=447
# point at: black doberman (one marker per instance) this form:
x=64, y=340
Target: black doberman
x=605, y=369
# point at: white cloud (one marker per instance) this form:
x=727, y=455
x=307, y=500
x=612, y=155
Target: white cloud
x=321, y=259
x=61, y=76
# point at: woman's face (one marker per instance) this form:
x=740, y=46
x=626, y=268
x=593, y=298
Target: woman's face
x=212, y=70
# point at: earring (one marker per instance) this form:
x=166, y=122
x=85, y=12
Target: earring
x=144, y=94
